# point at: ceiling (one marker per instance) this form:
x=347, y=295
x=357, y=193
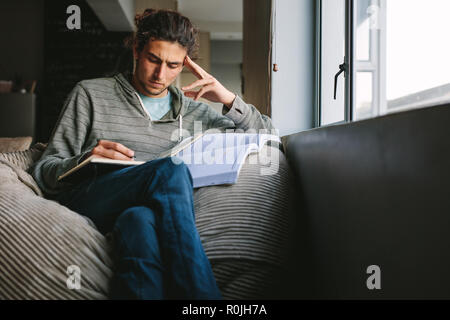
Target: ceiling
x=219, y=10
x=222, y=18
x=116, y=15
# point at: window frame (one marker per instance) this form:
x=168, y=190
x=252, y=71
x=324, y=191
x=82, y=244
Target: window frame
x=318, y=69
x=377, y=60
x=375, y=64
x=318, y=65
x=347, y=59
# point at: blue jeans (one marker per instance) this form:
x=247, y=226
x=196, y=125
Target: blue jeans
x=149, y=209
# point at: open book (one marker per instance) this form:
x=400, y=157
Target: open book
x=217, y=158
x=212, y=159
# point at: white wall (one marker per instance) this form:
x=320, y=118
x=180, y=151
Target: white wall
x=293, y=84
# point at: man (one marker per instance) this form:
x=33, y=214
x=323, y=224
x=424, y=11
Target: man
x=147, y=208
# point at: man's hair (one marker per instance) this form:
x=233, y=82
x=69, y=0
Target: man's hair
x=164, y=25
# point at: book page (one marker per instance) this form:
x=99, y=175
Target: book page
x=218, y=158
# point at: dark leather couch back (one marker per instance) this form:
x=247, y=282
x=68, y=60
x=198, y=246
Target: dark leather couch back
x=375, y=192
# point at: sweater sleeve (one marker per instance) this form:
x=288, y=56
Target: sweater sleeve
x=65, y=148
x=241, y=116
x=246, y=116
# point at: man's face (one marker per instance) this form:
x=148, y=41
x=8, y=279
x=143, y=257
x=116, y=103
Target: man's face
x=157, y=66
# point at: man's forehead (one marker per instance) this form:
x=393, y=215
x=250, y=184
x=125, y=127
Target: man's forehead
x=165, y=50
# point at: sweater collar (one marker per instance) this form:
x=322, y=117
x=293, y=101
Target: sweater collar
x=179, y=101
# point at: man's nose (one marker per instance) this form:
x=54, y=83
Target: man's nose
x=160, y=71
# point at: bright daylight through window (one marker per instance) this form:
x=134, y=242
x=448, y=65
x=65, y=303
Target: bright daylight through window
x=401, y=55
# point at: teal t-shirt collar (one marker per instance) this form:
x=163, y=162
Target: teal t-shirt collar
x=157, y=107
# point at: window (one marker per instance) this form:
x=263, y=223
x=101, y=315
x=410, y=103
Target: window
x=396, y=54
x=369, y=59
x=332, y=53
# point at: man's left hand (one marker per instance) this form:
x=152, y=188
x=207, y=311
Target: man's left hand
x=211, y=89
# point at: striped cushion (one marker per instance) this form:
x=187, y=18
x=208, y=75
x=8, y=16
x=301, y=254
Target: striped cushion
x=244, y=279
x=15, y=144
x=39, y=240
x=24, y=159
x=243, y=228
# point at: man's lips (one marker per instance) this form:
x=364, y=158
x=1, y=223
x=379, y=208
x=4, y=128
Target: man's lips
x=156, y=84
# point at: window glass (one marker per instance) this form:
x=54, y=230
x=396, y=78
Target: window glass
x=362, y=30
x=368, y=63
x=417, y=53
x=363, y=95
x=332, y=55
x=401, y=46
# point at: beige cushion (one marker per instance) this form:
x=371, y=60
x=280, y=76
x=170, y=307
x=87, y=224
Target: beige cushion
x=15, y=144
x=40, y=239
x=24, y=159
x=243, y=228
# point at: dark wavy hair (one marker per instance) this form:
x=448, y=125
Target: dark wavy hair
x=164, y=25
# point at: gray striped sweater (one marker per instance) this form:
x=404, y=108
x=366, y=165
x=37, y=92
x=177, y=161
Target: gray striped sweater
x=111, y=109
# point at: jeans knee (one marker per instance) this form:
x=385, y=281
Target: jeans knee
x=135, y=217
x=178, y=166
x=174, y=168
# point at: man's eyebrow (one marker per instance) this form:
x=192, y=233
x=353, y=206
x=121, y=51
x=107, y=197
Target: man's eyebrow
x=154, y=56
x=158, y=58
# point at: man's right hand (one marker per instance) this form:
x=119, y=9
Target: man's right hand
x=111, y=150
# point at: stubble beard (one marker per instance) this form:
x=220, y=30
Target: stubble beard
x=149, y=91
x=144, y=86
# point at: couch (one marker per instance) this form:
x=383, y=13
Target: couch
x=374, y=192
x=245, y=230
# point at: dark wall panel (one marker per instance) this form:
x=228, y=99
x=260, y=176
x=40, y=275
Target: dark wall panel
x=74, y=55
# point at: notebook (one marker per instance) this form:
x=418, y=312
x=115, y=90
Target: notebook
x=95, y=166
x=212, y=159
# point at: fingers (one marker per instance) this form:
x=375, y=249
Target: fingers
x=195, y=68
x=203, y=91
x=113, y=150
x=207, y=85
x=109, y=153
x=117, y=146
x=198, y=94
x=190, y=94
x=197, y=83
x=211, y=88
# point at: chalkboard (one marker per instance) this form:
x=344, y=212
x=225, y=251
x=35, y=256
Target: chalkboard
x=74, y=55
